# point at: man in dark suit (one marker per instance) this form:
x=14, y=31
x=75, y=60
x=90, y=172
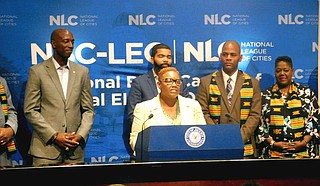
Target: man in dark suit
x=59, y=105
x=144, y=87
x=232, y=96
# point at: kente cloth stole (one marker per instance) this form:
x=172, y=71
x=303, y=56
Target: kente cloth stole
x=279, y=111
x=4, y=105
x=246, y=94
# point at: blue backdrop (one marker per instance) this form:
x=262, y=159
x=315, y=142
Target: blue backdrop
x=113, y=39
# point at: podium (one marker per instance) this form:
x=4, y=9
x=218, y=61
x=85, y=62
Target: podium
x=190, y=142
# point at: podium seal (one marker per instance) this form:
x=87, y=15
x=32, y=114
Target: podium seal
x=195, y=137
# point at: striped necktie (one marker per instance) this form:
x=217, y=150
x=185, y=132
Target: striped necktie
x=229, y=91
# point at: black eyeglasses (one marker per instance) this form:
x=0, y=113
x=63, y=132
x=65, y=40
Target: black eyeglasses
x=170, y=81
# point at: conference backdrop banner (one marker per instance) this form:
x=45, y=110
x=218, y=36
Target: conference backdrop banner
x=113, y=39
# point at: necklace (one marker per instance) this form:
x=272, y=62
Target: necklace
x=173, y=119
x=284, y=92
x=171, y=112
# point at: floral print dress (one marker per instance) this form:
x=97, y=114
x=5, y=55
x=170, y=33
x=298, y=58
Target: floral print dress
x=288, y=118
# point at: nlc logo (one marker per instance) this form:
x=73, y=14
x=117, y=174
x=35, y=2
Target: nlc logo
x=61, y=20
x=290, y=19
x=141, y=20
x=215, y=19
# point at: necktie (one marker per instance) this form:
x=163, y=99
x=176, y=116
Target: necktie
x=229, y=92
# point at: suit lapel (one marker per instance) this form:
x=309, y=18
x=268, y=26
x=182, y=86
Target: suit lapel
x=152, y=83
x=220, y=83
x=185, y=114
x=72, y=77
x=156, y=110
x=238, y=86
x=52, y=71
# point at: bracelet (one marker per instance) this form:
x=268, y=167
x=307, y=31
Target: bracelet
x=271, y=143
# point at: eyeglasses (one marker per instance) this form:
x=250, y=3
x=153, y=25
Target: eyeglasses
x=170, y=81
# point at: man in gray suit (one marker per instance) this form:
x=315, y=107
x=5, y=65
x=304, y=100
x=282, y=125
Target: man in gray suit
x=59, y=105
x=240, y=102
x=8, y=125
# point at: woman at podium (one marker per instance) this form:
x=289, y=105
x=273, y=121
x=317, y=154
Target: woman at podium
x=167, y=108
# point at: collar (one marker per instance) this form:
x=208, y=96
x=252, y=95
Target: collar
x=233, y=77
x=57, y=66
x=154, y=74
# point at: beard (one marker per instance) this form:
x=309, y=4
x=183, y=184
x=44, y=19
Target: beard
x=157, y=67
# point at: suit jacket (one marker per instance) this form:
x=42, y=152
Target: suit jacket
x=247, y=130
x=49, y=111
x=12, y=121
x=190, y=111
x=144, y=88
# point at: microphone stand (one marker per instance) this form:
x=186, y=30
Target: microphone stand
x=142, y=128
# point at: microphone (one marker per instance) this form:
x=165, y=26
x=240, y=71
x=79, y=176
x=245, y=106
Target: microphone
x=142, y=128
x=229, y=116
x=149, y=117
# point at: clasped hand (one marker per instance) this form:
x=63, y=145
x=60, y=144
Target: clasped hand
x=295, y=146
x=68, y=140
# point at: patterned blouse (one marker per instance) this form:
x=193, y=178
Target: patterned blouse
x=288, y=119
